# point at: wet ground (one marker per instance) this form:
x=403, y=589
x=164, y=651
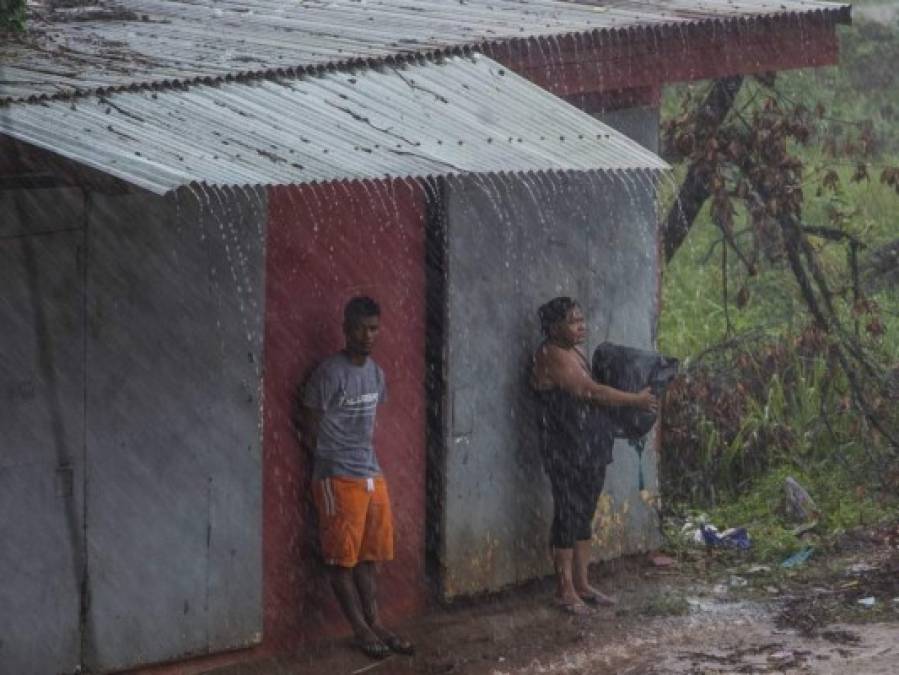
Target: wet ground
x=705, y=614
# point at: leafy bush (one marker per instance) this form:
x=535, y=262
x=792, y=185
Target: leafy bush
x=756, y=406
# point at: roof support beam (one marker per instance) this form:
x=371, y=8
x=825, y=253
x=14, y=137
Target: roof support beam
x=597, y=102
x=648, y=58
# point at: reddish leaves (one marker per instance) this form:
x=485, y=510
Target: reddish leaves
x=890, y=176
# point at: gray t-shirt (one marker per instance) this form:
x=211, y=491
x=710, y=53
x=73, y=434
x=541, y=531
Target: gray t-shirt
x=347, y=395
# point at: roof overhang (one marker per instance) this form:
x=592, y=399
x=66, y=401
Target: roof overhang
x=458, y=115
x=568, y=47
x=648, y=59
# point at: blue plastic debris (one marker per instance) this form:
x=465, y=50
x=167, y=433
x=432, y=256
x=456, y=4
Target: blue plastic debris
x=736, y=537
x=798, y=558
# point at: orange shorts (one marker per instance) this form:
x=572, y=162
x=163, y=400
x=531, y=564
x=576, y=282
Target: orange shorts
x=354, y=520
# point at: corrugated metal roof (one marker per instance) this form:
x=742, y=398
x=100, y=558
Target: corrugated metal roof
x=120, y=43
x=461, y=114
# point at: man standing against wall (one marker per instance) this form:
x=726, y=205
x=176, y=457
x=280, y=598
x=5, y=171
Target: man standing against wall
x=337, y=423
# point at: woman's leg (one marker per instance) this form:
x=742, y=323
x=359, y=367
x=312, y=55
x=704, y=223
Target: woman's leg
x=587, y=498
x=582, y=586
x=562, y=534
x=565, y=592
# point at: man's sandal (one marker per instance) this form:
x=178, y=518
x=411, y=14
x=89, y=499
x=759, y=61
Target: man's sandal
x=374, y=649
x=397, y=644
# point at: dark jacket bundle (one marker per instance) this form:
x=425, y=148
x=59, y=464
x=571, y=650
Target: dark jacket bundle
x=631, y=369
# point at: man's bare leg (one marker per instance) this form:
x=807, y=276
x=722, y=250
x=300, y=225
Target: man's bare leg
x=581, y=579
x=565, y=590
x=343, y=583
x=364, y=574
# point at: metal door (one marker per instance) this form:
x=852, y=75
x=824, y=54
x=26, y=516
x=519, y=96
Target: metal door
x=174, y=315
x=130, y=471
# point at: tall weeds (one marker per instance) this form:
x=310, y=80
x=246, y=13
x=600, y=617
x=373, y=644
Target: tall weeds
x=732, y=417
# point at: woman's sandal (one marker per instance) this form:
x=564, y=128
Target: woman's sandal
x=574, y=608
x=598, y=600
x=374, y=649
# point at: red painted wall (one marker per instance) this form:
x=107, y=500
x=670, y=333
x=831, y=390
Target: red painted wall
x=326, y=244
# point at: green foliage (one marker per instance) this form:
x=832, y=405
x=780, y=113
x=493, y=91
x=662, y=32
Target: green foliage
x=865, y=208
x=12, y=15
x=767, y=407
x=774, y=403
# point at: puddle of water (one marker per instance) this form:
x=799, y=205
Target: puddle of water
x=726, y=637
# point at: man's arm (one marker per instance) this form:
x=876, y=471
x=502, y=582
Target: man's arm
x=308, y=423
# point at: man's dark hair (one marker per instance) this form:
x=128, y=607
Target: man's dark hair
x=554, y=311
x=358, y=308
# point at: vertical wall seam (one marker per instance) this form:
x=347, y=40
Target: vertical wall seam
x=83, y=628
x=435, y=379
x=208, y=549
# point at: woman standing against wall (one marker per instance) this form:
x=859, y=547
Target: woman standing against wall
x=576, y=443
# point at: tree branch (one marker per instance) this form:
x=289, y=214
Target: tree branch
x=694, y=190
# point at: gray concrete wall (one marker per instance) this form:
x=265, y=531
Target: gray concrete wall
x=41, y=430
x=131, y=374
x=514, y=243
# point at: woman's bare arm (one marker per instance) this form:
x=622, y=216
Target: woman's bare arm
x=563, y=370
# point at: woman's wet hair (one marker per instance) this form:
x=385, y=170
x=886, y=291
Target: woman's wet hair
x=358, y=308
x=554, y=311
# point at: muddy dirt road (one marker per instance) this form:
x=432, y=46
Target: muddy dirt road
x=702, y=615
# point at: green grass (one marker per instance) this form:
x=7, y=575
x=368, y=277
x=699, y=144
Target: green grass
x=844, y=505
x=693, y=318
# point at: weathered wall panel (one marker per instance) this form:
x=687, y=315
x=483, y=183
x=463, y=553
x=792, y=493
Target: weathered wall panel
x=326, y=244
x=41, y=441
x=640, y=124
x=513, y=244
x=174, y=343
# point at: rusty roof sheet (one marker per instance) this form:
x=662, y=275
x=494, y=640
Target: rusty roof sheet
x=462, y=114
x=117, y=44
